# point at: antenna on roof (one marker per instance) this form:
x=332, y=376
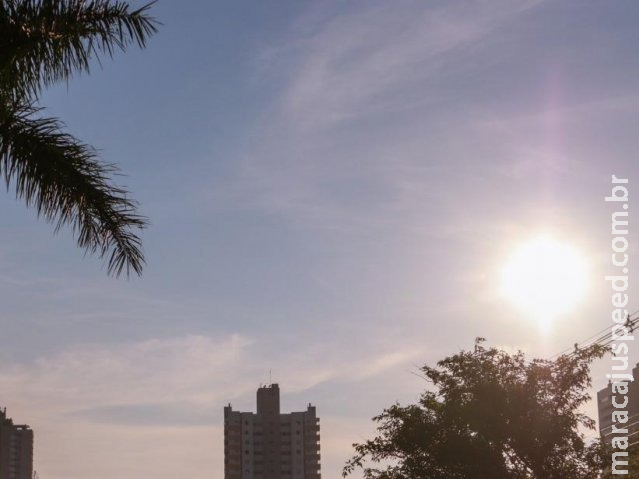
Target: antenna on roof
x=270, y=377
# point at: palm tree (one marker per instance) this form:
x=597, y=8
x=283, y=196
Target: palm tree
x=43, y=42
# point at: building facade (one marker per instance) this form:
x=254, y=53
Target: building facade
x=16, y=449
x=271, y=445
x=606, y=408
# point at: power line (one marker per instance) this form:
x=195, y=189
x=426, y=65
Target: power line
x=632, y=321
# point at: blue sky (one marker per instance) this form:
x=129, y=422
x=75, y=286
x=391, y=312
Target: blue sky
x=333, y=188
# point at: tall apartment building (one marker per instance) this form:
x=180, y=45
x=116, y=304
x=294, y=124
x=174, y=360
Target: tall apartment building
x=605, y=407
x=271, y=445
x=16, y=449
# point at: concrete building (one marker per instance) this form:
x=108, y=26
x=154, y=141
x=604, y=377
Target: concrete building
x=271, y=445
x=16, y=449
x=605, y=407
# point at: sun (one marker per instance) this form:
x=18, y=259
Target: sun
x=545, y=278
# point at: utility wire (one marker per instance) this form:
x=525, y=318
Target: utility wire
x=632, y=321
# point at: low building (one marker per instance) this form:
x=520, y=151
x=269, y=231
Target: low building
x=271, y=445
x=606, y=408
x=16, y=449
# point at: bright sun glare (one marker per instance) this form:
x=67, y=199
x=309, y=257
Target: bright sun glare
x=545, y=278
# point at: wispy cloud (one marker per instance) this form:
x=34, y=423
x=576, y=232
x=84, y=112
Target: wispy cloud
x=148, y=371
x=377, y=60
x=349, y=143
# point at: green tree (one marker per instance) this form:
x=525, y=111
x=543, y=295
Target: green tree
x=489, y=415
x=43, y=42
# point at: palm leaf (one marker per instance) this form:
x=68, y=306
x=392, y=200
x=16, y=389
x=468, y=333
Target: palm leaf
x=62, y=179
x=45, y=41
x=42, y=42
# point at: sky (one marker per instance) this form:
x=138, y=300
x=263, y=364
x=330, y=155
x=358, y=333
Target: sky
x=333, y=189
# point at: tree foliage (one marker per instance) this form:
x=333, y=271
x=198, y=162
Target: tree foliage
x=489, y=415
x=43, y=42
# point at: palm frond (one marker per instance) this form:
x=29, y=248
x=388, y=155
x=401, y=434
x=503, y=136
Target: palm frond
x=45, y=41
x=64, y=181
